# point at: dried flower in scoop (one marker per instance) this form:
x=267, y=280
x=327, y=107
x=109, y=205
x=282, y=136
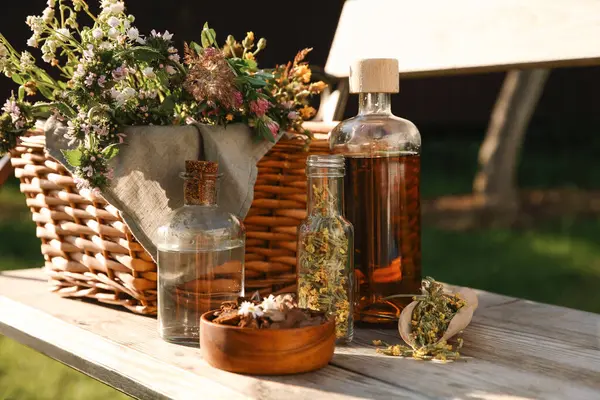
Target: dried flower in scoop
x=429, y=325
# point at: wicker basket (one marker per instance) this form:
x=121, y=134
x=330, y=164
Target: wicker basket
x=89, y=252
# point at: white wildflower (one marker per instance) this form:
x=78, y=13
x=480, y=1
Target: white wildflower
x=114, y=93
x=105, y=46
x=151, y=94
x=32, y=41
x=101, y=130
x=154, y=33
x=125, y=95
x=248, y=308
x=51, y=3
x=105, y=4
x=63, y=34
x=117, y=8
x=113, y=33
x=13, y=109
x=36, y=24
x=167, y=35
x=27, y=60
x=102, y=80
x=48, y=15
x=89, y=52
x=174, y=57
x=89, y=80
x=113, y=22
x=269, y=303
x=126, y=23
x=133, y=34
x=79, y=72
x=170, y=70
x=97, y=33
x=47, y=57
x=149, y=72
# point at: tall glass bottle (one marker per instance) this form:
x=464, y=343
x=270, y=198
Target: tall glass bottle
x=200, y=257
x=325, y=246
x=382, y=201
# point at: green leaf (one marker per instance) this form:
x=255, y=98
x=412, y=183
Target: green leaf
x=251, y=65
x=256, y=82
x=18, y=79
x=142, y=53
x=168, y=104
x=21, y=93
x=46, y=92
x=110, y=152
x=64, y=109
x=208, y=36
x=73, y=157
x=42, y=110
x=196, y=47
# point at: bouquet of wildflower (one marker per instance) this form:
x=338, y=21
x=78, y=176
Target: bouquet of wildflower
x=110, y=76
x=270, y=101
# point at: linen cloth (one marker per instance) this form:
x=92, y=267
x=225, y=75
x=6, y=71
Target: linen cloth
x=147, y=186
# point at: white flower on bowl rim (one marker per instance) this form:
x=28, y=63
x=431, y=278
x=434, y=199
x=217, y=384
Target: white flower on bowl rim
x=269, y=303
x=247, y=308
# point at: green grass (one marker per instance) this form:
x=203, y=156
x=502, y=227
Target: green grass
x=557, y=262
x=24, y=373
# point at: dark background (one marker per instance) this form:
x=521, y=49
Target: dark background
x=438, y=106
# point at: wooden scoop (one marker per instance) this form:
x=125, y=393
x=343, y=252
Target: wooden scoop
x=458, y=323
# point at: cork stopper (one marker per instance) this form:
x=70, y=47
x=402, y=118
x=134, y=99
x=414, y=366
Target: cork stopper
x=374, y=75
x=200, y=187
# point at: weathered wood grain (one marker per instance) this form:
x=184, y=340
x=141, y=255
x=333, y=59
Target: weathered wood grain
x=125, y=351
x=434, y=37
x=516, y=347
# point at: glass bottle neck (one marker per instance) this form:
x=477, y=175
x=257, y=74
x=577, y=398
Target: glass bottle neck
x=374, y=103
x=200, y=192
x=325, y=195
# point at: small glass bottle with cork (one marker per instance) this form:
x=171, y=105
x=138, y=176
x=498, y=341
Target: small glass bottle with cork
x=382, y=193
x=200, y=257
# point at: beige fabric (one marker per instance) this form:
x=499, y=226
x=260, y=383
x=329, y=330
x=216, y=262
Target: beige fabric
x=146, y=184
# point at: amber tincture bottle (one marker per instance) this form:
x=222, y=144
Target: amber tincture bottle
x=382, y=200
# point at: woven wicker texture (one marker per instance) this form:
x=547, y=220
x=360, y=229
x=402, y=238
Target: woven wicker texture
x=89, y=252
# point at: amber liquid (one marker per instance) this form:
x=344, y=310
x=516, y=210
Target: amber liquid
x=382, y=201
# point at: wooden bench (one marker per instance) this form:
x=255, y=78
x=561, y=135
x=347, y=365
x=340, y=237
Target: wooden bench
x=515, y=348
x=437, y=37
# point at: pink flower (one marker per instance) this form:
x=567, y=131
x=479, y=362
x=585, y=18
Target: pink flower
x=210, y=51
x=238, y=99
x=122, y=137
x=292, y=115
x=260, y=107
x=273, y=127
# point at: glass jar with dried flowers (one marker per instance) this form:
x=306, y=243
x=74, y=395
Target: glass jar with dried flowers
x=325, y=246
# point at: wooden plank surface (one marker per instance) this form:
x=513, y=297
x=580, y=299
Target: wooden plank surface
x=433, y=37
x=518, y=348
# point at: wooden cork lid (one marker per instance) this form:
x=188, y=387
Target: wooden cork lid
x=374, y=75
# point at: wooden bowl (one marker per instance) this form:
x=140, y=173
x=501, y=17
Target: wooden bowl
x=266, y=351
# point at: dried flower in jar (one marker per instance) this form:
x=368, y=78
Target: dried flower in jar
x=323, y=279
